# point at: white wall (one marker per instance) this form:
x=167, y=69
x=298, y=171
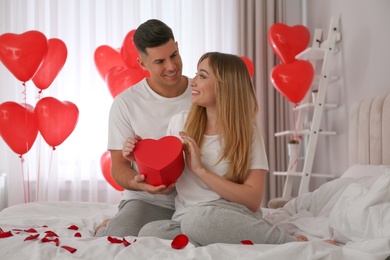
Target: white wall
x=363, y=65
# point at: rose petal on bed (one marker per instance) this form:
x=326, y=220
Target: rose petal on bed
x=114, y=240
x=73, y=227
x=55, y=240
x=126, y=243
x=50, y=233
x=6, y=234
x=179, y=242
x=44, y=226
x=70, y=249
x=78, y=234
x=246, y=242
x=30, y=230
x=31, y=237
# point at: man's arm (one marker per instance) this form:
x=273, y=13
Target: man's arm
x=128, y=179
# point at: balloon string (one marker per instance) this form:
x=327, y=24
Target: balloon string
x=39, y=95
x=296, y=158
x=28, y=183
x=24, y=92
x=27, y=148
x=48, y=177
x=24, y=186
x=39, y=170
x=295, y=137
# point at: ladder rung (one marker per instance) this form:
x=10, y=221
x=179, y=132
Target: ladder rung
x=311, y=54
x=312, y=105
x=303, y=132
x=299, y=174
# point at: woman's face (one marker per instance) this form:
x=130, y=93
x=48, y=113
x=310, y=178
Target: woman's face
x=203, y=86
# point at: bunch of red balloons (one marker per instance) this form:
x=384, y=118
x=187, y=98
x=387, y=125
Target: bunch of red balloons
x=292, y=78
x=119, y=67
x=31, y=56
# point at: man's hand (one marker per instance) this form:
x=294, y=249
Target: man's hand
x=139, y=181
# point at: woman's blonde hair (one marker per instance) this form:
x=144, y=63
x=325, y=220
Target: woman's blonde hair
x=236, y=111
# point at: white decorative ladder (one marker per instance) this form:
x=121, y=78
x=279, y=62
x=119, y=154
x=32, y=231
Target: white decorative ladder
x=319, y=52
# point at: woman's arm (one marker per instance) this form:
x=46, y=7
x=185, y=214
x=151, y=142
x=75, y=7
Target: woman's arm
x=249, y=194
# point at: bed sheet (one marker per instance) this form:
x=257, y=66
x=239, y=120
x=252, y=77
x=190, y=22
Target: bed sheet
x=313, y=214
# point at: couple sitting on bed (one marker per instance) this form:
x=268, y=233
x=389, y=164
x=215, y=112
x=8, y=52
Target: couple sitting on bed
x=217, y=198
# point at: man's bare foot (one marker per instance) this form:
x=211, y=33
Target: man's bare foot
x=103, y=224
x=301, y=238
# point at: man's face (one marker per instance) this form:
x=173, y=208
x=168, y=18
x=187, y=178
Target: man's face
x=163, y=63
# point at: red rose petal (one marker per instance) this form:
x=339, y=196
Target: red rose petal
x=114, y=240
x=73, y=227
x=77, y=234
x=6, y=234
x=30, y=230
x=126, y=243
x=179, y=242
x=55, y=240
x=44, y=226
x=31, y=237
x=50, y=234
x=70, y=249
x=246, y=242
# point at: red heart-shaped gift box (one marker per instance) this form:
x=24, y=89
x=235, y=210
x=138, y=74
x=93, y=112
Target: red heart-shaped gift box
x=161, y=161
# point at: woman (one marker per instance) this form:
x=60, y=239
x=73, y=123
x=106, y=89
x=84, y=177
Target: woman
x=221, y=188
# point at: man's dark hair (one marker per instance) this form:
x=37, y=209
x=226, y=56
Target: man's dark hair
x=152, y=33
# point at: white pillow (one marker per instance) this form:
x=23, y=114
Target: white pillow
x=363, y=170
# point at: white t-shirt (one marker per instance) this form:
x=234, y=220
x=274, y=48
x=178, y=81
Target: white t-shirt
x=139, y=110
x=192, y=191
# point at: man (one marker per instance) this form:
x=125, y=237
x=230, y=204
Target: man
x=145, y=110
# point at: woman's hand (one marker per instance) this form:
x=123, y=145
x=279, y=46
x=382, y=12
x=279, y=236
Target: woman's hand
x=128, y=147
x=192, y=152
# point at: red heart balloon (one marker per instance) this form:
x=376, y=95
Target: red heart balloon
x=105, y=166
x=161, y=161
x=22, y=54
x=106, y=58
x=249, y=65
x=121, y=78
x=56, y=120
x=52, y=64
x=18, y=127
x=287, y=42
x=293, y=80
x=129, y=51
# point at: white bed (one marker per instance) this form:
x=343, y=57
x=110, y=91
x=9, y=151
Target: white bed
x=353, y=209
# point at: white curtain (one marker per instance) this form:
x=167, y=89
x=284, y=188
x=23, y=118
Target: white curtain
x=72, y=171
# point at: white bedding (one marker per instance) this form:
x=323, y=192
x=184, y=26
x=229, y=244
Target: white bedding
x=353, y=209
